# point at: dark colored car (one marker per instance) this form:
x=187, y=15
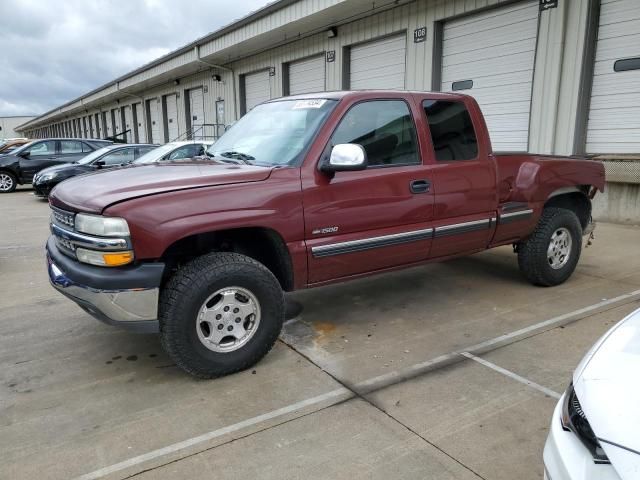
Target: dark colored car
x=20, y=166
x=107, y=157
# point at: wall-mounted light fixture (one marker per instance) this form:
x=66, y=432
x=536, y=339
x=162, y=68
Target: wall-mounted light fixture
x=216, y=77
x=332, y=32
x=176, y=81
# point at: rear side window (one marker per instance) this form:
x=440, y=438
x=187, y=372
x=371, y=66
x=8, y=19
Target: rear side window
x=143, y=150
x=451, y=129
x=385, y=130
x=187, y=151
x=70, y=146
x=119, y=157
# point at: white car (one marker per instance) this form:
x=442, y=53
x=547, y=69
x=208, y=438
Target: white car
x=595, y=430
x=175, y=151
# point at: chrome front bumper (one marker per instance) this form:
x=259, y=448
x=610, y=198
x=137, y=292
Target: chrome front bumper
x=134, y=309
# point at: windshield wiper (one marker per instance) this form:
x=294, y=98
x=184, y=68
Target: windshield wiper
x=243, y=157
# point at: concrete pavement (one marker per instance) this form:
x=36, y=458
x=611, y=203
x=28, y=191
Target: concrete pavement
x=78, y=397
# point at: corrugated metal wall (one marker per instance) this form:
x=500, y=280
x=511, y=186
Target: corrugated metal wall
x=555, y=87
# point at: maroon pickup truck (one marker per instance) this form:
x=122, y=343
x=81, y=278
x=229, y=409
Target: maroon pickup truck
x=301, y=192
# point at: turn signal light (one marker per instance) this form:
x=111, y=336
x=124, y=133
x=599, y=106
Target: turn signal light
x=106, y=259
x=117, y=259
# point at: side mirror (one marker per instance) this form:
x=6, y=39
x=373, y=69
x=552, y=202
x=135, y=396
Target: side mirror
x=26, y=154
x=346, y=157
x=99, y=164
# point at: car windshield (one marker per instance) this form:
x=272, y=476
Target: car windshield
x=273, y=134
x=94, y=155
x=156, y=154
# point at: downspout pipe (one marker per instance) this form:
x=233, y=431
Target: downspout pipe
x=233, y=77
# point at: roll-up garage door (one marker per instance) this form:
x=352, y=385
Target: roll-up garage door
x=115, y=118
x=139, y=124
x=491, y=57
x=257, y=89
x=614, y=115
x=154, y=119
x=306, y=76
x=128, y=123
x=171, y=120
x=379, y=64
x=196, y=109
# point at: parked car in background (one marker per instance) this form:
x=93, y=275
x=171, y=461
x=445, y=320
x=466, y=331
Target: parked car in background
x=594, y=430
x=304, y=191
x=20, y=166
x=175, y=151
x=7, y=146
x=107, y=157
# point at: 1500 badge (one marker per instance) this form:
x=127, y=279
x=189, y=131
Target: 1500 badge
x=324, y=231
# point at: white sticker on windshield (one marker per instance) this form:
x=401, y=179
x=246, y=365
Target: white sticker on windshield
x=315, y=103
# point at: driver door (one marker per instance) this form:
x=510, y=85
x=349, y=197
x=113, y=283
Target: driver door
x=40, y=155
x=362, y=221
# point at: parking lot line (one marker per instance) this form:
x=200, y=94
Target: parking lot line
x=335, y=396
x=512, y=375
x=382, y=381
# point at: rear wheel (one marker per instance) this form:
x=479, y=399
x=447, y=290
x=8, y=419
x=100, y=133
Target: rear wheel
x=219, y=314
x=8, y=182
x=550, y=254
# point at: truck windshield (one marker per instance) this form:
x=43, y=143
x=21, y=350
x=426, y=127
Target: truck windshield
x=274, y=133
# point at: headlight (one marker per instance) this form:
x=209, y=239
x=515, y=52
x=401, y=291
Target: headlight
x=46, y=176
x=101, y=226
x=574, y=420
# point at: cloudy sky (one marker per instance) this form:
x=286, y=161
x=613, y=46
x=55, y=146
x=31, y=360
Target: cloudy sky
x=54, y=51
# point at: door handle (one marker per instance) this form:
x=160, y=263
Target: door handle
x=419, y=186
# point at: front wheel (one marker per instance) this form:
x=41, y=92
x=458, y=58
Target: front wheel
x=550, y=254
x=219, y=314
x=8, y=182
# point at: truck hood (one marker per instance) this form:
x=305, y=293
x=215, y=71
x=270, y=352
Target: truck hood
x=606, y=383
x=96, y=191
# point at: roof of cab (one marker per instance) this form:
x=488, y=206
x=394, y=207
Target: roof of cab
x=340, y=94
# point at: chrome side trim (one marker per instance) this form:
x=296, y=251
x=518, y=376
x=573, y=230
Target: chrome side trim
x=464, y=227
x=87, y=241
x=399, y=238
x=369, y=243
x=514, y=216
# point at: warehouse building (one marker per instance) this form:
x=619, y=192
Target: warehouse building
x=10, y=124
x=552, y=76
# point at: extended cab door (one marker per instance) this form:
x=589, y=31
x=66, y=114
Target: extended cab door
x=464, y=175
x=362, y=221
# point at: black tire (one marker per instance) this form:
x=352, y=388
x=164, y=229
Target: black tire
x=185, y=294
x=8, y=182
x=532, y=252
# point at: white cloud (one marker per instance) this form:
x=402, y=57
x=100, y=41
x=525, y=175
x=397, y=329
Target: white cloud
x=52, y=52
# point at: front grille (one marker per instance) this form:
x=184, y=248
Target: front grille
x=62, y=217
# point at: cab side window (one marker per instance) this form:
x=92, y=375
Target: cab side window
x=43, y=149
x=384, y=128
x=451, y=130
